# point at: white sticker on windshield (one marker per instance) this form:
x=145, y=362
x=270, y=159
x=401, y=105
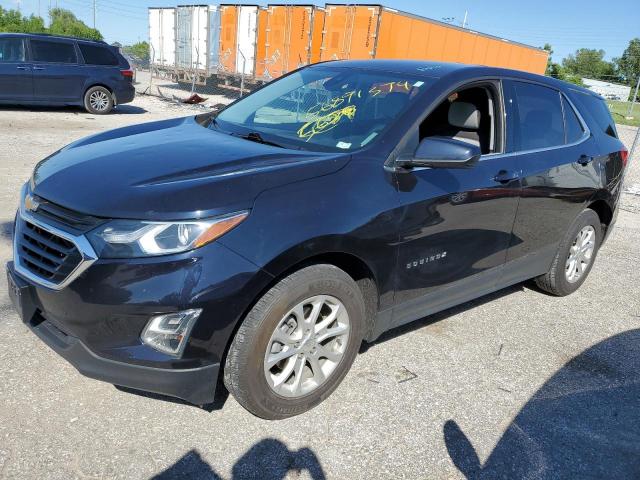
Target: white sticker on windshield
x=418, y=84
x=343, y=145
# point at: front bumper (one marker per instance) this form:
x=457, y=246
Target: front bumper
x=195, y=385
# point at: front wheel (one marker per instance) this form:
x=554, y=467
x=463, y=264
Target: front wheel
x=98, y=100
x=297, y=343
x=575, y=256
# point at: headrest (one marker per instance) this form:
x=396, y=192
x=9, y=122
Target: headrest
x=464, y=115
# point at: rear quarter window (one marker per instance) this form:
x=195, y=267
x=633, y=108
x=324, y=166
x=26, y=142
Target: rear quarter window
x=96, y=55
x=595, y=109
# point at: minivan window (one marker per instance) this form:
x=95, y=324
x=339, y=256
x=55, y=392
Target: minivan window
x=11, y=50
x=572, y=125
x=597, y=109
x=539, y=123
x=95, y=55
x=326, y=109
x=53, y=52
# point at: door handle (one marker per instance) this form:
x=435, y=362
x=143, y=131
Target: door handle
x=506, y=176
x=585, y=160
x=22, y=67
x=38, y=68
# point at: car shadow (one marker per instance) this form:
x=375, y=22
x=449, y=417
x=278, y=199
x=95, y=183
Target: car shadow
x=269, y=459
x=6, y=232
x=222, y=394
x=126, y=109
x=584, y=422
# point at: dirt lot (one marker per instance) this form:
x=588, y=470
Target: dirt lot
x=516, y=385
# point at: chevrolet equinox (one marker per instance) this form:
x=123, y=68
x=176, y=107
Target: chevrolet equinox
x=263, y=243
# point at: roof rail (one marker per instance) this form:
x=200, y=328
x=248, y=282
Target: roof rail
x=53, y=35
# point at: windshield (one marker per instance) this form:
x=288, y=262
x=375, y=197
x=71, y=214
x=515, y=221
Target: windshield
x=323, y=108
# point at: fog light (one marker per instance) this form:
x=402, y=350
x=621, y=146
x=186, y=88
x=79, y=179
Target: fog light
x=168, y=333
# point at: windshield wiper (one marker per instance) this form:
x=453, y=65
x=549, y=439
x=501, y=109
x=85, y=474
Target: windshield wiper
x=256, y=137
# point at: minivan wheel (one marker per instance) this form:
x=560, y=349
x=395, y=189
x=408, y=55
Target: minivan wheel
x=98, y=100
x=297, y=343
x=575, y=256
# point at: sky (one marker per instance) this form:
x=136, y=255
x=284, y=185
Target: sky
x=566, y=24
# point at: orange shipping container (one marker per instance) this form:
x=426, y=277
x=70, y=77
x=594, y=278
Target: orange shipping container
x=366, y=31
x=228, y=37
x=290, y=35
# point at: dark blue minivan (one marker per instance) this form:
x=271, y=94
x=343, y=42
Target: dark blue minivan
x=52, y=70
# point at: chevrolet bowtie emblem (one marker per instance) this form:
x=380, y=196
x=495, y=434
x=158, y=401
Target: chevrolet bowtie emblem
x=30, y=203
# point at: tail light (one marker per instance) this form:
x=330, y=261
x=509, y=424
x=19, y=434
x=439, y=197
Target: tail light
x=127, y=73
x=624, y=155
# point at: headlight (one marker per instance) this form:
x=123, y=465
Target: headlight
x=130, y=238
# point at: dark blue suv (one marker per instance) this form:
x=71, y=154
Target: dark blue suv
x=52, y=70
x=264, y=243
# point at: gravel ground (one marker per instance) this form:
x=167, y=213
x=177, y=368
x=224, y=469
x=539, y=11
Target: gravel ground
x=515, y=385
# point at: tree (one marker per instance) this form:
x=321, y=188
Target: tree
x=13, y=21
x=628, y=65
x=556, y=70
x=139, y=50
x=64, y=22
x=590, y=63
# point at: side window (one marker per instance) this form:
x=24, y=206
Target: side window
x=53, y=52
x=572, y=125
x=11, y=49
x=539, y=123
x=95, y=55
x=597, y=109
x=469, y=115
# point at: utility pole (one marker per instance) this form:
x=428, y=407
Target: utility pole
x=94, y=13
x=635, y=97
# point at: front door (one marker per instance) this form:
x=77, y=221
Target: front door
x=16, y=82
x=457, y=223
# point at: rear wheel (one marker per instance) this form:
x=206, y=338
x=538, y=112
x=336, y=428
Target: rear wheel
x=297, y=343
x=98, y=100
x=575, y=256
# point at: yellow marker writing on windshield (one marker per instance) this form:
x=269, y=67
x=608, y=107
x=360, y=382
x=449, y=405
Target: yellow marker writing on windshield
x=326, y=122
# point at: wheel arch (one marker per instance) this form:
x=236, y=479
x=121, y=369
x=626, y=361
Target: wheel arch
x=350, y=263
x=603, y=209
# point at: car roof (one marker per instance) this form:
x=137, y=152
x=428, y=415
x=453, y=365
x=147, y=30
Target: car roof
x=440, y=70
x=51, y=36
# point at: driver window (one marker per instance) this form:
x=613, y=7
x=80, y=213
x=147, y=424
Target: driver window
x=468, y=115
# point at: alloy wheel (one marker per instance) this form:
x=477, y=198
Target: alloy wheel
x=99, y=100
x=580, y=254
x=306, y=346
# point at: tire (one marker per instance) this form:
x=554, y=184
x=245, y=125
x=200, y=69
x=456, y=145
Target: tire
x=246, y=372
x=98, y=101
x=557, y=281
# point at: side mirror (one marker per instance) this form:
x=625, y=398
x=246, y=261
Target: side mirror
x=443, y=152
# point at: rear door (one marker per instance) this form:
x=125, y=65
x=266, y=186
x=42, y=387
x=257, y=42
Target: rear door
x=16, y=78
x=57, y=76
x=557, y=156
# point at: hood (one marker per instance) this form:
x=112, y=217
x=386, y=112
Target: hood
x=170, y=170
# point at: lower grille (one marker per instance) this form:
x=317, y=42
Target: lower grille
x=45, y=254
